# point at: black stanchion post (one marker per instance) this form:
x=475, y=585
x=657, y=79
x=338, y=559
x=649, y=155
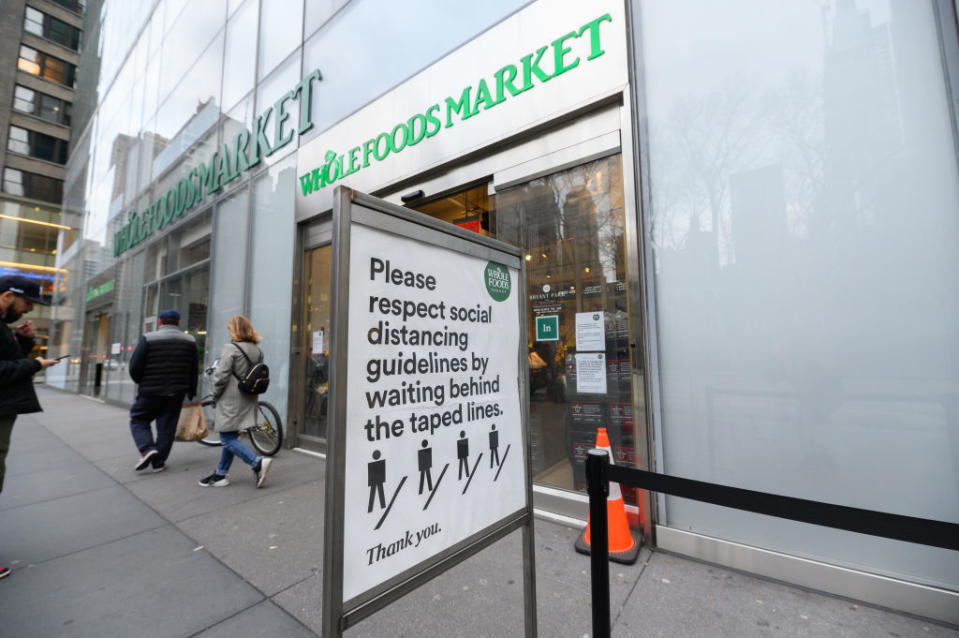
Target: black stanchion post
x=597, y=482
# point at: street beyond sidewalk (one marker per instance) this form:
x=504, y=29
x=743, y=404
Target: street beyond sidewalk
x=98, y=549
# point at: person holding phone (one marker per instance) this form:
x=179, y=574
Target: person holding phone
x=17, y=296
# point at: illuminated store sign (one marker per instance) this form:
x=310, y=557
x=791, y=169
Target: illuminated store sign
x=247, y=149
x=547, y=62
x=102, y=289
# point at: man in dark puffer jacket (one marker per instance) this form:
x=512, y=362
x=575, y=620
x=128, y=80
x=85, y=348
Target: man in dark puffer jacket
x=164, y=365
x=17, y=296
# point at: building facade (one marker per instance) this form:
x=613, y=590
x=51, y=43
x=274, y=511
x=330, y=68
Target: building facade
x=756, y=206
x=39, y=52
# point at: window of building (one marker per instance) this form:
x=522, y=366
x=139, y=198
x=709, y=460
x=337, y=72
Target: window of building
x=42, y=105
x=33, y=22
x=46, y=66
x=73, y=5
x=38, y=145
x=28, y=235
x=45, y=26
x=52, y=108
x=24, y=99
x=30, y=60
x=63, y=33
x=19, y=140
x=26, y=184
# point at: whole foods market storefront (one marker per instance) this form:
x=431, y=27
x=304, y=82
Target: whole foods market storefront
x=543, y=170
x=533, y=134
x=740, y=251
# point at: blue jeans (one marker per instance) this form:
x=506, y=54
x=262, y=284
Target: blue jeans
x=233, y=447
x=166, y=411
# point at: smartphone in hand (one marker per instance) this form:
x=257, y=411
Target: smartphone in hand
x=61, y=357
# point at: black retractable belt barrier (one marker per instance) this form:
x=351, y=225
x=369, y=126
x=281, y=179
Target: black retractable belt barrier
x=599, y=472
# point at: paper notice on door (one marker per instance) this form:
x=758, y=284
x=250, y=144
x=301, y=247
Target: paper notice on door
x=590, y=332
x=317, y=342
x=591, y=372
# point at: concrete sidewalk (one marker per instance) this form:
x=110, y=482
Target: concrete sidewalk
x=100, y=550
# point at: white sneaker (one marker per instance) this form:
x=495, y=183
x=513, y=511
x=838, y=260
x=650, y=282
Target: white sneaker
x=264, y=468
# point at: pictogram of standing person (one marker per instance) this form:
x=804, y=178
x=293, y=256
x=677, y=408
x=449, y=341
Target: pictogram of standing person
x=462, y=453
x=493, y=446
x=425, y=457
x=376, y=476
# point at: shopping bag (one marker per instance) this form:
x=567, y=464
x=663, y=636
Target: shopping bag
x=192, y=423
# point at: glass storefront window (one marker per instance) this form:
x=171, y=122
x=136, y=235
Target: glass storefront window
x=380, y=21
x=318, y=12
x=197, y=292
x=271, y=262
x=194, y=242
x=804, y=188
x=230, y=237
x=314, y=339
x=150, y=309
x=241, y=54
x=281, y=31
x=185, y=43
x=192, y=108
x=571, y=225
x=271, y=89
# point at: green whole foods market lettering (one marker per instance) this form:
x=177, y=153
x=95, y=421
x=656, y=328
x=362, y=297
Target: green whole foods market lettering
x=547, y=62
x=102, y=289
x=244, y=151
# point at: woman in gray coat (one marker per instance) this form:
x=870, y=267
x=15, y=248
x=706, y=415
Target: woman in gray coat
x=236, y=410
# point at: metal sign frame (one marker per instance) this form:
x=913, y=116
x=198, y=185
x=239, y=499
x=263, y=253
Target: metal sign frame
x=338, y=614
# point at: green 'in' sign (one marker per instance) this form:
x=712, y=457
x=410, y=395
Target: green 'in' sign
x=547, y=328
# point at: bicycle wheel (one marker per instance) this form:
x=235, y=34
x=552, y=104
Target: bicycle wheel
x=211, y=439
x=267, y=435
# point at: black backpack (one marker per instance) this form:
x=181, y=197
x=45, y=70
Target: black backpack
x=257, y=378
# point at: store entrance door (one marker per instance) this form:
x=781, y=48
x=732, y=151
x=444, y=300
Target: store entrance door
x=312, y=346
x=584, y=325
x=94, y=371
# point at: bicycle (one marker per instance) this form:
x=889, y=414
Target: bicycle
x=266, y=436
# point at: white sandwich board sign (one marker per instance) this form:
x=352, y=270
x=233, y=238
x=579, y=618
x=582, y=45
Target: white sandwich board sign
x=428, y=449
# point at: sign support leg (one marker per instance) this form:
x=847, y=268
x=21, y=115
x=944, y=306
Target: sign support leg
x=529, y=578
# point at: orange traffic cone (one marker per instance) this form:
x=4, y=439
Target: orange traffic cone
x=623, y=543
